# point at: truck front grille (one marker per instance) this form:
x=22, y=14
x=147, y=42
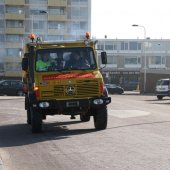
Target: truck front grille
x=82, y=88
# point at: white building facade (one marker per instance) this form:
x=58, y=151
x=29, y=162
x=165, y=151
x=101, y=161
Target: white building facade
x=136, y=63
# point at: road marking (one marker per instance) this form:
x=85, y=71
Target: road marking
x=1, y=168
x=128, y=113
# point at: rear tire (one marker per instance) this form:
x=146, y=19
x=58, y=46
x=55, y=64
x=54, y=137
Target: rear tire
x=20, y=93
x=36, y=121
x=159, y=97
x=85, y=118
x=100, y=118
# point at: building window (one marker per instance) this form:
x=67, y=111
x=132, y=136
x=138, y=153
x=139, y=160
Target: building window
x=114, y=46
x=111, y=59
x=84, y=26
x=1, y=67
x=13, y=51
x=56, y=11
x=84, y=12
x=14, y=9
x=75, y=2
x=2, y=24
x=124, y=45
x=2, y=38
x=132, y=45
x=108, y=45
x=75, y=12
x=56, y=25
x=55, y=37
x=157, y=61
x=13, y=66
x=132, y=62
x=84, y=2
x=100, y=46
x=14, y=24
x=14, y=38
x=139, y=46
x=2, y=9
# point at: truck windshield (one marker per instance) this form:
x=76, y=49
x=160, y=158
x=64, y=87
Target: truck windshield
x=60, y=59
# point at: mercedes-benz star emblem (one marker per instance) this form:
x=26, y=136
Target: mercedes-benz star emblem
x=70, y=90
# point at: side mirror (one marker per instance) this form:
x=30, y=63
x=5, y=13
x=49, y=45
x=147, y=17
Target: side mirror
x=104, y=57
x=25, y=64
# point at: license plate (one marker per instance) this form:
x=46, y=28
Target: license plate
x=72, y=104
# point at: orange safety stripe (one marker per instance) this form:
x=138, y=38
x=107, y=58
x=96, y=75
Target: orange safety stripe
x=67, y=76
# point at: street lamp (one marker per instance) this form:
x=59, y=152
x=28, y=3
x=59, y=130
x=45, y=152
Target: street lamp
x=144, y=51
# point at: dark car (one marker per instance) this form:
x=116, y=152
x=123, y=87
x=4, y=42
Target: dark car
x=11, y=87
x=130, y=85
x=114, y=89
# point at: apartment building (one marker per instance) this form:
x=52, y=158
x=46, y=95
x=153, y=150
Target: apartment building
x=136, y=64
x=49, y=19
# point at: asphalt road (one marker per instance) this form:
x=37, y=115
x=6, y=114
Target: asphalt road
x=137, y=138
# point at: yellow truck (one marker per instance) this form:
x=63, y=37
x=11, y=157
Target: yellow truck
x=63, y=78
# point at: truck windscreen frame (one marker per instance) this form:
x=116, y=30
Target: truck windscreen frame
x=63, y=59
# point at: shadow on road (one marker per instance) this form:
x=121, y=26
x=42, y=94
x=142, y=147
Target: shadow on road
x=20, y=134
x=156, y=101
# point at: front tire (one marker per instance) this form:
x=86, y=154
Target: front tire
x=100, y=118
x=36, y=121
x=28, y=115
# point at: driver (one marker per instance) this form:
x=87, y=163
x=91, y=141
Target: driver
x=43, y=63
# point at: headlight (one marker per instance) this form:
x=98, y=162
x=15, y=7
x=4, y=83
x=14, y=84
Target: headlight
x=44, y=104
x=98, y=101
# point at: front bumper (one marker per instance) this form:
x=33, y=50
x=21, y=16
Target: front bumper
x=163, y=93
x=61, y=105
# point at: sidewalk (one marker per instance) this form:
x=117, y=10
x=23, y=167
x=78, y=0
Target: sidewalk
x=134, y=92
x=10, y=97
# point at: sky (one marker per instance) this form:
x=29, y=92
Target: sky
x=114, y=18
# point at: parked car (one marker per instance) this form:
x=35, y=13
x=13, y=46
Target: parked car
x=163, y=88
x=11, y=87
x=130, y=85
x=114, y=89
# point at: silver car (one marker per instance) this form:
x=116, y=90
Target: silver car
x=163, y=88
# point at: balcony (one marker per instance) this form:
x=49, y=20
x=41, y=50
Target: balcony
x=18, y=2
x=14, y=16
x=157, y=66
x=14, y=30
x=56, y=31
x=57, y=17
x=59, y=3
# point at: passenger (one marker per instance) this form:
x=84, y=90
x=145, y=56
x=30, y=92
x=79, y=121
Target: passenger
x=77, y=62
x=43, y=63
